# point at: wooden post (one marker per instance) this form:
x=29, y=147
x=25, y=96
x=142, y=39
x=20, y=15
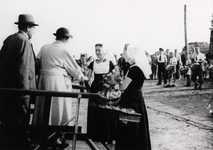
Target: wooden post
x=185, y=31
x=211, y=36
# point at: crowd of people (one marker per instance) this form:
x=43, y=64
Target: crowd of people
x=171, y=66
x=54, y=69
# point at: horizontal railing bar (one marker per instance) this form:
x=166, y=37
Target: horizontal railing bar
x=51, y=128
x=45, y=93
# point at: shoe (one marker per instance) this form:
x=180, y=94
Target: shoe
x=196, y=84
x=167, y=85
x=173, y=85
x=199, y=87
x=188, y=84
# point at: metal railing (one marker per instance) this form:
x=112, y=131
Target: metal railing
x=48, y=98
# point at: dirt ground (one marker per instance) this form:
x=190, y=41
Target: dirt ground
x=178, y=117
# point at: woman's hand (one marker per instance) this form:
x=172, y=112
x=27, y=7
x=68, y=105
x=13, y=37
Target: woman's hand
x=83, y=78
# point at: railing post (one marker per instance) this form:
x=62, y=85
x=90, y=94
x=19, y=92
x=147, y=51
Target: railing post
x=76, y=122
x=47, y=104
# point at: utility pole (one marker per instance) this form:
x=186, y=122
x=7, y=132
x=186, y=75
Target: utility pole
x=185, y=31
x=211, y=36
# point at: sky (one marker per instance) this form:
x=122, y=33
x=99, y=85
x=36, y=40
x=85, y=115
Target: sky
x=149, y=23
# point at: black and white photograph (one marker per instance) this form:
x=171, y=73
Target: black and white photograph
x=106, y=75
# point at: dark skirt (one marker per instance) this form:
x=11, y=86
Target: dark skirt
x=130, y=135
x=99, y=126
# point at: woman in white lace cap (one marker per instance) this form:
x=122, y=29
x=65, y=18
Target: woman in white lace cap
x=97, y=124
x=131, y=135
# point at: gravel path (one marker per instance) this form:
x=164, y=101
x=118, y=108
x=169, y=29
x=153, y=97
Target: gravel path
x=178, y=118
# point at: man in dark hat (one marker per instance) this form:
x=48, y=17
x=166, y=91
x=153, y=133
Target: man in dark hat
x=18, y=70
x=162, y=61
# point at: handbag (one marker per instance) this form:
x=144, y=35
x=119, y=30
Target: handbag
x=194, y=66
x=184, y=70
x=169, y=68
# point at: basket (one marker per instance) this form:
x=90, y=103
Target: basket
x=170, y=68
x=183, y=71
x=104, y=101
x=194, y=66
x=117, y=114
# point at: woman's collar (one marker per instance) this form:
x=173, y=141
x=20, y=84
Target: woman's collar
x=98, y=61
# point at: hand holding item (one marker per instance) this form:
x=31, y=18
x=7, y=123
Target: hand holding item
x=83, y=78
x=116, y=87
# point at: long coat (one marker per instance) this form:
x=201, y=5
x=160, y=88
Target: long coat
x=56, y=68
x=17, y=70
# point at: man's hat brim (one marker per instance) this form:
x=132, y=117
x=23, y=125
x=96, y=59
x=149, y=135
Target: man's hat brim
x=26, y=23
x=26, y=19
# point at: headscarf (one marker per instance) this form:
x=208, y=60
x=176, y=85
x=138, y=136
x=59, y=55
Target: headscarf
x=140, y=58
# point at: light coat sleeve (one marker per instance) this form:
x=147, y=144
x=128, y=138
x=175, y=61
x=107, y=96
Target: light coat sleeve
x=72, y=67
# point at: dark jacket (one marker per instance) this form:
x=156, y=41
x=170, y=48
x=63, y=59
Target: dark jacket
x=18, y=62
x=17, y=70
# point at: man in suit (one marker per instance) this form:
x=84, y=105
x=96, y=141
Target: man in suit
x=162, y=61
x=18, y=70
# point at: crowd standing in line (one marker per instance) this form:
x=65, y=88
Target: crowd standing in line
x=195, y=66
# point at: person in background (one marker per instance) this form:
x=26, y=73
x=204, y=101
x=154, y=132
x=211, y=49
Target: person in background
x=171, y=70
x=57, y=65
x=209, y=57
x=162, y=61
x=193, y=55
x=18, y=70
x=167, y=53
x=82, y=62
x=89, y=60
x=154, y=65
x=179, y=64
x=197, y=69
x=131, y=135
x=183, y=57
x=149, y=60
x=188, y=73
x=121, y=64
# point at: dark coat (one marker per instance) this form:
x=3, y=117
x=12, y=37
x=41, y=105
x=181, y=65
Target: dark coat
x=17, y=60
x=17, y=70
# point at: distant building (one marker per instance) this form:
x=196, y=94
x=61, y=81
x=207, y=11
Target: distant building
x=204, y=46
